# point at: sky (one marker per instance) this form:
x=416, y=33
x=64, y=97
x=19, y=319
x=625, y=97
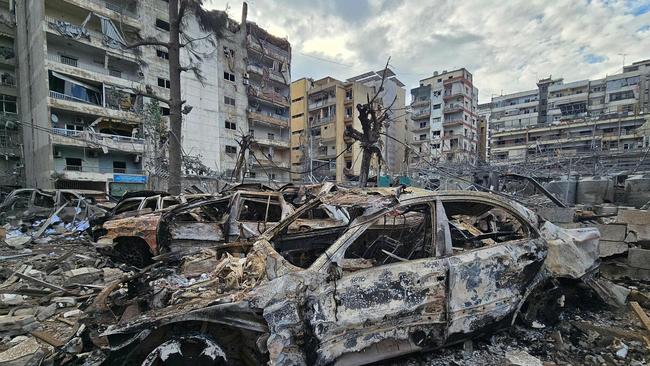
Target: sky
x=506, y=45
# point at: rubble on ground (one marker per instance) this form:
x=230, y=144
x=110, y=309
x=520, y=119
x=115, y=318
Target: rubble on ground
x=63, y=302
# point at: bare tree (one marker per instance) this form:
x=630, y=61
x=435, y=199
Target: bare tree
x=373, y=120
x=214, y=23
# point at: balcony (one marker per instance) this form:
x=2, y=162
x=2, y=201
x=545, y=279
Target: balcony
x=421, y=115
x=321, y=103
x=272, y=142
x=449, y=94
x=456, y=79
x=266, y=71
x=453, y=108
x=62, y=136
x=66, y=63
x=313, y=122
x=271, y=119
x=420, y=127
x=268, y=96
x=421, y=103
x=70, y=103
x=265, y=162
x=93, y=173
x=453, y=122
x=421, y=140
x=111, y=9
x=267, y=49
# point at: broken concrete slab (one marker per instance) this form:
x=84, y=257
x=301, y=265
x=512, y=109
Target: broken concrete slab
x=608, y=248
x=84, y=275
x=641, y=232
x=521, y=358
x=638, y=217
x=613, y=232
x=14, y=325
x=638, y=258
x=556, y=214
x=23, y=349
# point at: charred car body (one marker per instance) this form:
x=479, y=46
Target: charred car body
x=403, y=271
x=201, y=220
x=34, y=204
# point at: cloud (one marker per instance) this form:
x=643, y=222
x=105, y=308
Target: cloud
x=507, y=45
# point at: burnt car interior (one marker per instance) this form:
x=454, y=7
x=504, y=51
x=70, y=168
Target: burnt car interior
x=475, y=225
x=400, y=235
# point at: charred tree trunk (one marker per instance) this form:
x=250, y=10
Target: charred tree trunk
x=366, y=157
x=175, y=102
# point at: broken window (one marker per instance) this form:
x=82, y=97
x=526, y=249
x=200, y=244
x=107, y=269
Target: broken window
x=476, y=224
x=162, y=54
x=73, y=164
x=400, y=235
x=119, y=167
x=260, y=209
x=231, y=149
x=163, y=83
x=169, y=201
x=43, y=200
x=150, y=204
x=127, y=205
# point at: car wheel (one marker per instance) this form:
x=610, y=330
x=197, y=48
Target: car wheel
x=195, y=350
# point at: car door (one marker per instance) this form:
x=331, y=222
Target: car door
x=201, y=223
x=496, y=255
x=391, y=297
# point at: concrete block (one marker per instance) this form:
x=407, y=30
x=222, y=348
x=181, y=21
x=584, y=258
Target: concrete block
x=638, y=258
x=637, y=217
x=608, y=248
x=556, y=214
x=613, y=232
x=642, y=232
x=83, y=275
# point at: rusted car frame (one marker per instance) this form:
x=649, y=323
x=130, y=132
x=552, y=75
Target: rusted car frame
x=34, y=204
x=407, y=273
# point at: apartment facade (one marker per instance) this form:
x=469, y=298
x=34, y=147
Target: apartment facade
x=597, y=121
x=80, y=95
x=81, y=127
x=444, y=119
x=11, y=162
x=321, y=110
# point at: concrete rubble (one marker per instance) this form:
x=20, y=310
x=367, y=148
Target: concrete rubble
x=344, y=275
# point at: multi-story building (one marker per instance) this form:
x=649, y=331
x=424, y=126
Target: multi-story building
x=83, y=103
x=11, y=164
x=321, y=110
x=444, y=119
x=79, y=111
x=589, y=121
x=483, y=131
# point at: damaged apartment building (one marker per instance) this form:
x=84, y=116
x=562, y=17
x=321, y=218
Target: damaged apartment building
x=82, y=104
x=444, y=119
x=11, y=164
x=600, y=124
x=322, y=109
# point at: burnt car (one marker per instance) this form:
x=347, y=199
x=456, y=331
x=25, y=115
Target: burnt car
x=198, y=222
x=406, y=270
x=30, y=204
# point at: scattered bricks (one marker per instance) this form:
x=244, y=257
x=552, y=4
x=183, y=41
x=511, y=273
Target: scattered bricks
x=637, y=217
x=638, y=258
x=613, y=232
x=84, y=275
x=556, y=214
x=608, y=248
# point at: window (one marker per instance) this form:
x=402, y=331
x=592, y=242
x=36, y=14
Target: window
x=73, y=164
x=423, y=124
x=298, y=115
x=119, y=167
x=231, y=149
x=162, y=54
x=228, y=76
x=435, y=146
x=252, y=174
x=229, y=100
x=163, y=83
x=436, y=133
x=263, y=209
x=271, y=136
x=402, y=234
x=231, y=125
x=297, y=99
x=162, y=24
x=72, y=127
x=272, y=176
x=436, y=106
x=423, y=137
x=164, y=111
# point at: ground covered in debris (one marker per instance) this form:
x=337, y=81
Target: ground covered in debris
x=584, y=335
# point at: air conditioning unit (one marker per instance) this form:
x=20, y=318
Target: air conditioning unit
x=137, y=158
x=245, y=81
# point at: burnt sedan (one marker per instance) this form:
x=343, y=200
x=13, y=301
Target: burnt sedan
x=402, y=270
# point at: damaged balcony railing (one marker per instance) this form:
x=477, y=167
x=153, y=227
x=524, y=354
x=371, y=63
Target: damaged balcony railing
x=69, y=61
x=101, y=170
x=96, y=135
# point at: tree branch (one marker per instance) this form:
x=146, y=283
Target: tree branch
x=149, y=41
x=191, y=40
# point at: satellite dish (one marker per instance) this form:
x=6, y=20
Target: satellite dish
x=55, y=118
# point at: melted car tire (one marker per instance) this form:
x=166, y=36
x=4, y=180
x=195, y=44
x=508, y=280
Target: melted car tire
x=191, y=349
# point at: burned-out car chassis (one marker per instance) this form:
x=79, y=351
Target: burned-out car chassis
x=407, y=270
